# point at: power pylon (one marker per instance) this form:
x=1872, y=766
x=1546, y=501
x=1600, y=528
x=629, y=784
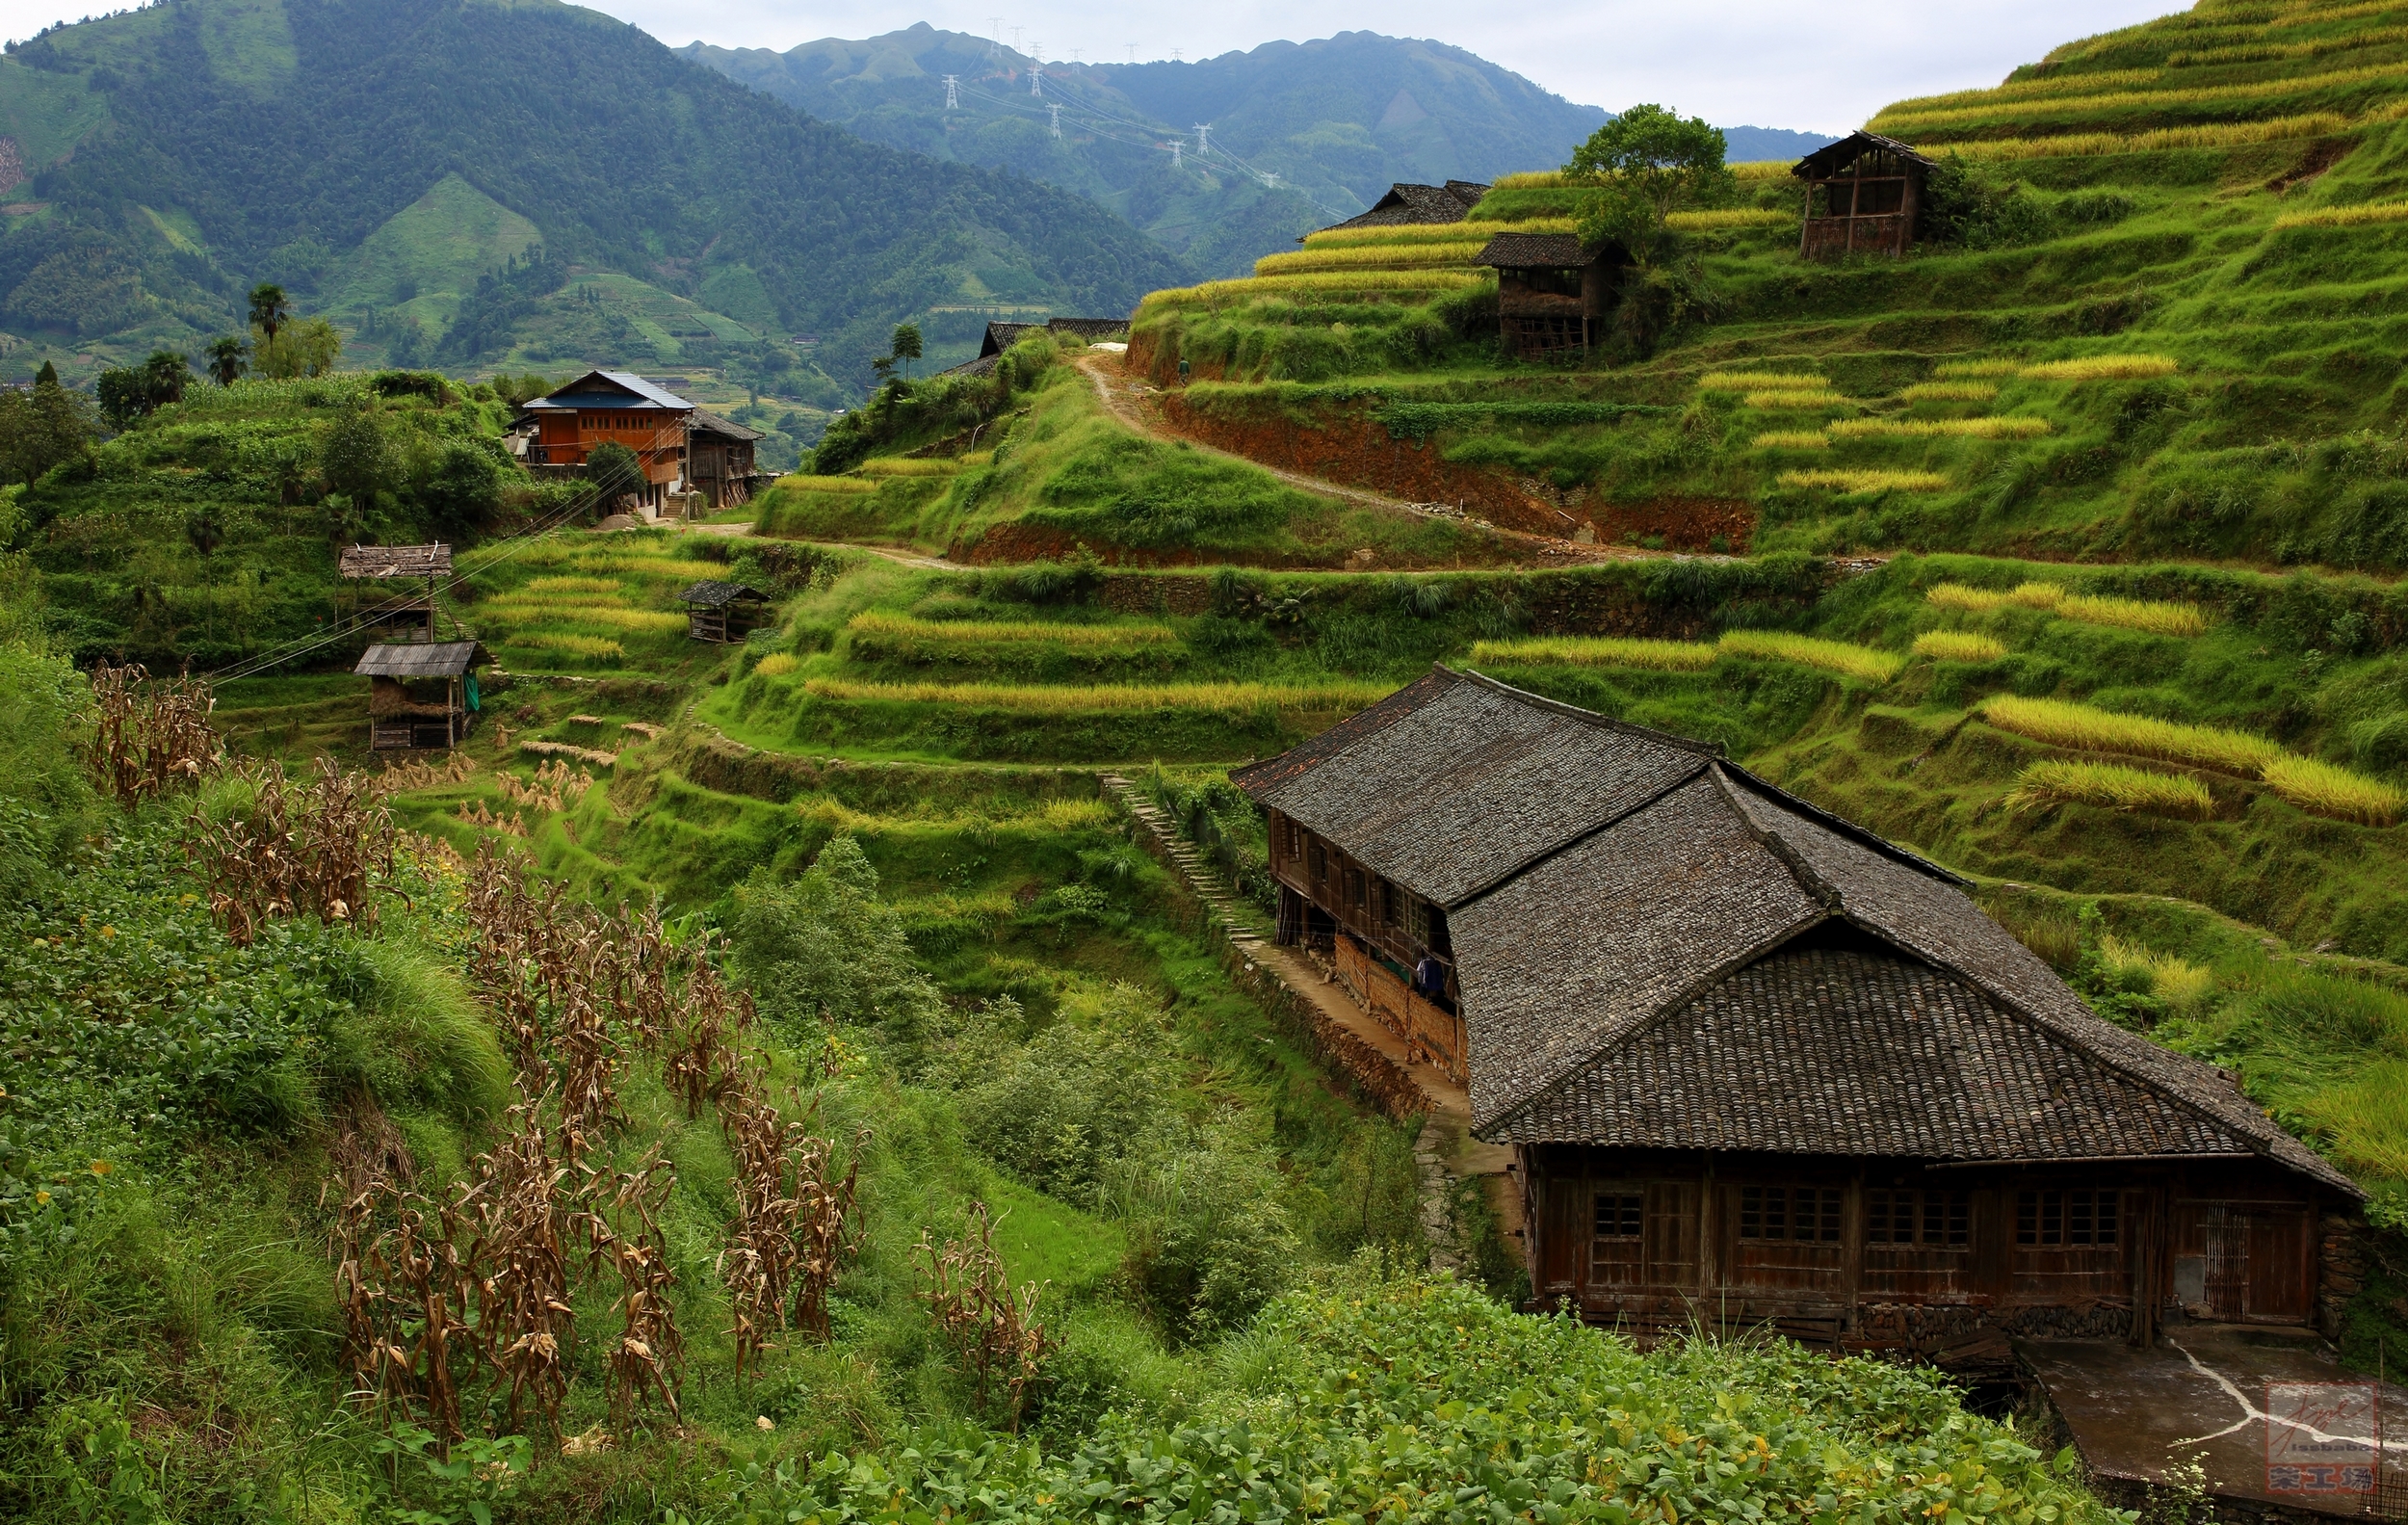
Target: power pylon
x=1056, y=108
x=953, y=93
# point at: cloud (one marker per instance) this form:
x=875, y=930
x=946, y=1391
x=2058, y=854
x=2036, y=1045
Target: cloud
x=1737, y=62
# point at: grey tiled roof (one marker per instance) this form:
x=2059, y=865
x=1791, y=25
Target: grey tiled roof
x=1833, y=156
x=396, y=561
x=713, y=595
x=1408, y=204
x=421, y=659
x=1623, y=905
x=1862, y=1052
x=1453, y=789
x=1534, y=251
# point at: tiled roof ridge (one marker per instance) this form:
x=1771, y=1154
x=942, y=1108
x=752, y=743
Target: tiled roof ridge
x=1363, y=724
x=1602, y=722
x=1605, y=822
x=1840, y=825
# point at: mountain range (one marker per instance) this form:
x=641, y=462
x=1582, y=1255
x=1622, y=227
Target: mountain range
x=479, y=185
x=1272, y=141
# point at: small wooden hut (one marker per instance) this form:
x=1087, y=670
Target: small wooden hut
x=1757, y=1064
x=1863, y=195
x=1552, y=293
x=396, y=571
x=718, y=611
x=422, y=693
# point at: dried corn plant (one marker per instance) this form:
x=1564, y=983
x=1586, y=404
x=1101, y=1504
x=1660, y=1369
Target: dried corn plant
x=993, y=1330
x=622, y=1222
x=405, y=1286
x=314, y=849
x=521, y=1227
x=795, y=1226
x=699, y=1064
x=149, y=737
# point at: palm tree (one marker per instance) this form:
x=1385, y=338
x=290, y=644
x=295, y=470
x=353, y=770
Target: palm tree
x=268, y=309
x=226, y=359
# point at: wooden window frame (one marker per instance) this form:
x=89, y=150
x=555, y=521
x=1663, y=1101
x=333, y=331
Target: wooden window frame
x=1618, y=1213
x=2069, y=1217
x=1934, y=1219
x=1772, y=1215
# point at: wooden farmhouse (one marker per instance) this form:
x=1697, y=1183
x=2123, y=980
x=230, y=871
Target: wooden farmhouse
x=1758, y=1065
x=399, y=582
x=1553, y=295
x=1863, y=197
x=422, y=693
x=680, y=447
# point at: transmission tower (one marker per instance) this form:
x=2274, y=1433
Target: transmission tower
x=1176, y=145
x=1203, y=138
x=1036, y=69
x=953, y=93
x=995, y=39
x=1056, y=108
x=1133, y=52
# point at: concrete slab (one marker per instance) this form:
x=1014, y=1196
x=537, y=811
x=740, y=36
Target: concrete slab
x=2202, y=1396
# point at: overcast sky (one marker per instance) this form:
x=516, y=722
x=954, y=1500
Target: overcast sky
x=1823, y=66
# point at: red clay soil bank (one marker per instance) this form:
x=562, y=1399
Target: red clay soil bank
x=1347, y=446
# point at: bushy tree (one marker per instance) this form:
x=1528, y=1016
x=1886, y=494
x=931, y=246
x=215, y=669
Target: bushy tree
x=463, y=488
x=304, y=347
x=1655, y=154
x=356, y=459
x=42, y=426
x=270, y=308
x=612, y=468
x=905, y=344
x=129, y=393
x=822, y=949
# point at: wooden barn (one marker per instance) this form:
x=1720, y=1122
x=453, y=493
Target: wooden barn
x=422, y=693
x=1758, y=1065
x=1553, y=296
x=1863, y=197
x=615, y=405
x=717, y=611
x=400, y=583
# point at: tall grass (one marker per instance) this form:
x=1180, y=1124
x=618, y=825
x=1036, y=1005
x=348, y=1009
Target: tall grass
x=2112, y=786
x=797, y=483
x=1763, y=382
x=2164, y=618
x=2082, y=727
x=1598, y=651
x=1950, y=369
x=2179, y=982
x=777, y=664
x=2266, y=52
x=1868, y=663
x=2020, y=427
x=907, y=467
x=1869, y=481
x=1792, y=439
x=591, y=647
x=1384, y=282
x=1892, y=120
x=987, y=632
x=1959, y=645
x=1709, y=222
x=2102, y=368
x=2019, y=90
x=2214, y=135
x=1370, y=257
x=1747, y=170
x=1432, y=232
x=2346, y=216
x=1948, y=392
x=1793, y=399
x=2323, y=789
x=1221, y=698
x=1973, y=600
x=551, y=587
x=589, y=615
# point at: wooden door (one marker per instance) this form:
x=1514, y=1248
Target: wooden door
x=2280, y=1281
x=2228, y=1262
x=1564, y=1239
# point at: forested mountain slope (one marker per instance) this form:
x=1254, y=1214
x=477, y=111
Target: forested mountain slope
x=396, y=156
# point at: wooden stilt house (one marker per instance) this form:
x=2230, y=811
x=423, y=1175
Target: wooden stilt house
x=717, y=610
x=422, y=693
x=718, y=460
x=1553, y=295
x=1758, y=1065
x=396, y=583
x=1863, y=195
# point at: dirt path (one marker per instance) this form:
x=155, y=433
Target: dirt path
x=1125, y=397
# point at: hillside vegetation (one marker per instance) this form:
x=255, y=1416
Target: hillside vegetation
x=406, y=164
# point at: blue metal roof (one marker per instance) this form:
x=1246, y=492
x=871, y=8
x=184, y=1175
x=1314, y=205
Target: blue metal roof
x=632, y=392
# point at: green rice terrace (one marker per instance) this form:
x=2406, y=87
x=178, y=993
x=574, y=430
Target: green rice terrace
x=776, y=1080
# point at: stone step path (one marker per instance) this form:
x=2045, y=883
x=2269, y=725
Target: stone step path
x=1350, y=1039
